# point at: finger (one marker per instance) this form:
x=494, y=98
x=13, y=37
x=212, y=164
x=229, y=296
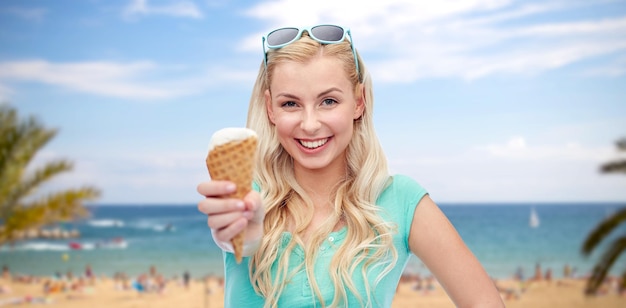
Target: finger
x=227, y=233
x=212, y=206
x=221, y=221
x=216, y=188
x=252, y=201
x=254, y=204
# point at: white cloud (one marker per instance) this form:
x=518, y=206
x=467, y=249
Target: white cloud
x=468, y=39
x=30, y=14
x=384, y=14
x=134, y=80
x=515, y=170
x=409, y=40
x=172, y=8
x=105, y=78
x=131, y=177
x=516, y=149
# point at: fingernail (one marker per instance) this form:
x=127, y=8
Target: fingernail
x=240, y=205
x=231, y=187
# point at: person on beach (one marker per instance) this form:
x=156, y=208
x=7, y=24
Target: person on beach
x=186, y=279
x=538, y=273
x=89, y=275
x=6, y=273
x=326, y=224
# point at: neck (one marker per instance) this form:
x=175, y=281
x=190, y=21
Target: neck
x=319, y=183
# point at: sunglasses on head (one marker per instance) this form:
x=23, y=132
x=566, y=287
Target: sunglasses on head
x=325, y=34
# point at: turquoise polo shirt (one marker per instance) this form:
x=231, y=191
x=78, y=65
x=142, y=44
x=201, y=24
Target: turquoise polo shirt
x=398, y=202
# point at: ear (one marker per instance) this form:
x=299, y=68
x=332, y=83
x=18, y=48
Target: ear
x=268, y=105
x=360, y=102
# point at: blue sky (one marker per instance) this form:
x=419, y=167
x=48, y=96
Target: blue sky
x=478, y=100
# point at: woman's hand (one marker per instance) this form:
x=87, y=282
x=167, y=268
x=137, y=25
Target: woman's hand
x=228, y=217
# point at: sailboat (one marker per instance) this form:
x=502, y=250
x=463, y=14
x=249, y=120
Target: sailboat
x=533, y=222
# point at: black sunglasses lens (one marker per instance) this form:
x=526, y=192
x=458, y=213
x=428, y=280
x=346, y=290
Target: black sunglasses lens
x=327, y=33
x=281, y=36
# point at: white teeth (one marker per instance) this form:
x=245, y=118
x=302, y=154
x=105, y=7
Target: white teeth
x=313, y=144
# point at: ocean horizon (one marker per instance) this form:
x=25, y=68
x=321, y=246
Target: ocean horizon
x=130, y=238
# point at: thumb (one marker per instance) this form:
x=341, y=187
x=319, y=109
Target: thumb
x=255, y=205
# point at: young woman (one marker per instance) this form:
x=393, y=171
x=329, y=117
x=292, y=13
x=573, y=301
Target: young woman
x=326, y=224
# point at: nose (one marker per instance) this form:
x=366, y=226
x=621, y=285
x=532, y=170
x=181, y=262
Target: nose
x=310, y=121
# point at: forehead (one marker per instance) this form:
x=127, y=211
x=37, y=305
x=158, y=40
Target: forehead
x=321, y=71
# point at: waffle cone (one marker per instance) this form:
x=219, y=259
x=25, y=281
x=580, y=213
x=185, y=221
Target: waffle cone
x=234, y=161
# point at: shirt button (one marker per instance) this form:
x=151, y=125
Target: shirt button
x=331, y=238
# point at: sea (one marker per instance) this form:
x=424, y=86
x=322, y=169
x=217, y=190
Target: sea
x=175, y=239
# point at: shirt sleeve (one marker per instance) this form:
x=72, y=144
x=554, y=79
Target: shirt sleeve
x=399, y=201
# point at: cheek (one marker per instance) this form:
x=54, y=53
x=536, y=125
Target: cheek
x=283, y=130
x=285, y=124
x=342, y=123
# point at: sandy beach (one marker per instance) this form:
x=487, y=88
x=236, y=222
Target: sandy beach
x=208, y=292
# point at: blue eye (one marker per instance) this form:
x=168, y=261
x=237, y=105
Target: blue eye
x=289, y=104
x=329, y=101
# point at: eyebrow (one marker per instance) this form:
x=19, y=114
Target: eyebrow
x=333, y=89
x=291, y=96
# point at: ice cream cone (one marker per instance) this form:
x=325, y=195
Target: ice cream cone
x=231, y=157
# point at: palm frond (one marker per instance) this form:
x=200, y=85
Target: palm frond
x=20, y=140
x=602, y=230
x=60, y=206
x=22, y=218
x=621, y=144
x=67, y=205
x=22, y=189
x=618, y=165
x=614, y=166
x=604, y=265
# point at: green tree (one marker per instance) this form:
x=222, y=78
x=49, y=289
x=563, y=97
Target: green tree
x=21, y=208
x=613, y=251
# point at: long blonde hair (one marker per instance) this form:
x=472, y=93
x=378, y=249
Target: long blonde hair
x=369, y=237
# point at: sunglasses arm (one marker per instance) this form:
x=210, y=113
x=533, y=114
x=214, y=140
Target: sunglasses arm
x=264, y=53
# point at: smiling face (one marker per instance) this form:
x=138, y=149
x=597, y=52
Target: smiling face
x=313, y=107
